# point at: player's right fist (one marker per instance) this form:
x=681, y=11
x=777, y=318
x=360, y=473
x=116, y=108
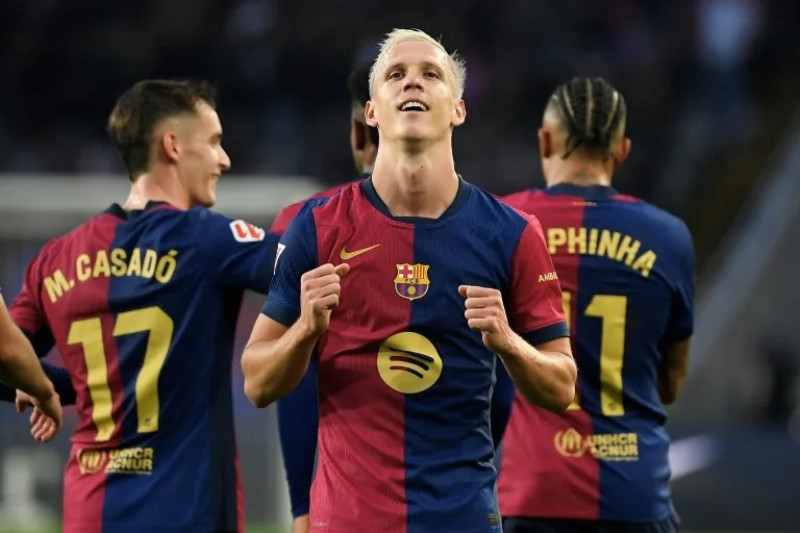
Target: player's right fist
x=319, y=295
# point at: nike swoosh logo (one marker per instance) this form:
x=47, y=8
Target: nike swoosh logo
x=345, y=255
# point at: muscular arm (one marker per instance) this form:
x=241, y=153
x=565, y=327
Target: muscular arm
x=544, y=374
x=672, y=369
x=275, y=359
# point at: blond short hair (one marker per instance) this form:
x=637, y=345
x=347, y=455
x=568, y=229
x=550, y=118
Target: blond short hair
x=458, y=67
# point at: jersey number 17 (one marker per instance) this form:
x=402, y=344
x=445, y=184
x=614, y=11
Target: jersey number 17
x=89, y=334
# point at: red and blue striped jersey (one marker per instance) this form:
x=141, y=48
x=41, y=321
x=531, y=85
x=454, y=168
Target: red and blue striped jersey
x=142, y=306
x=404, y=384
x=627, y=272
x=297, y=412
x=287, y=214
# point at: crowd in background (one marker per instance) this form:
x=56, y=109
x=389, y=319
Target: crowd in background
x=692, y=73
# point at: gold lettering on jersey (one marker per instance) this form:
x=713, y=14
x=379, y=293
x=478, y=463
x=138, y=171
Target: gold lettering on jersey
x=56, y=284
x=550, y=276
x=144, y=263
x=135, y=263
x=602, y=242
x=123, y=461
x=118, y=264
x=604, y=446
x=82, y=270
x=101, y=266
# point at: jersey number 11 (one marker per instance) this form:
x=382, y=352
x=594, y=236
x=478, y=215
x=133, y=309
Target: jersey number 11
x=611, y=310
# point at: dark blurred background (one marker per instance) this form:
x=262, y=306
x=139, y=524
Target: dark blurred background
x=709, y=83
x=712, y=90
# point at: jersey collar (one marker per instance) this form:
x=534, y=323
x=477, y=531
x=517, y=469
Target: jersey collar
x=464, y=189
x=590, y=192
x=117, y=210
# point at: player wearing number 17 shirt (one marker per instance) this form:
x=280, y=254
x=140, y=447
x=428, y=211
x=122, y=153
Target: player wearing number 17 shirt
x=626, y=269
x=408, y=283
x=141, y=302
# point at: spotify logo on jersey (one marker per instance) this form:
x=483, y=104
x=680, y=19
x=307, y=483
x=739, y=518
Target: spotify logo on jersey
x=409, y=363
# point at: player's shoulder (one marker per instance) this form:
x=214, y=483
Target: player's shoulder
x=525, y=198
x=331, y=191
x=289, y=212
x=310, y=206
x=55, y=246
x=211, y=227
x=333, y=209
x=652, y=217
x=497, y=213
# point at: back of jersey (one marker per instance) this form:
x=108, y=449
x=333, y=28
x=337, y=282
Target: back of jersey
x=626, y=271
x=142, y=307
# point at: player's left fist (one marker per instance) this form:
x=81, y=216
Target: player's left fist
x=485, y=313
x=46, y=416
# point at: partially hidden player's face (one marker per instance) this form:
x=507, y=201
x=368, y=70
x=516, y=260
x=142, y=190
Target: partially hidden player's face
x=414, y=96
x=202, y=159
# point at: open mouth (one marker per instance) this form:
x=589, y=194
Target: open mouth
x=413, y=105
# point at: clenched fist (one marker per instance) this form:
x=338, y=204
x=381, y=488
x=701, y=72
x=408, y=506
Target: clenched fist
x=485, y=313
x=319, y=295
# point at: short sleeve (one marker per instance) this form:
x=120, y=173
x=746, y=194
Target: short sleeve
x=535, y=309
x=681, y=316
x=296, y=255
x=241, y=254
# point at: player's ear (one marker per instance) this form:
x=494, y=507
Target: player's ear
x=459, y=113
x=369, y=114
x=169, y=145
x=545, y=143
x=622, y=151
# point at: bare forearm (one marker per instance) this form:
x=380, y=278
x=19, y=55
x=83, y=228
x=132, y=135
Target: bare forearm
x=672, y=369
x=20, y=369
x=670, y=383
x=544, y=378
x=272, y=369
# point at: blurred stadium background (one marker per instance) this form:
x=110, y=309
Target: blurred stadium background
x=712, y=89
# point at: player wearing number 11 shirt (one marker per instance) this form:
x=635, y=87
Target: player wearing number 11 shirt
x=626, y=269
x=141, y=302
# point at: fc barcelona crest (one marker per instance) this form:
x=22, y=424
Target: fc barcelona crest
x=412, y=281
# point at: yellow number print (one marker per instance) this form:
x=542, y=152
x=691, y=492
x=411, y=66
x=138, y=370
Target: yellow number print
x=89, y=334
x=611, y=309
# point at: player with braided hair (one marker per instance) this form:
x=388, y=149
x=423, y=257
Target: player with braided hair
x=626, y=271
x=592, y=111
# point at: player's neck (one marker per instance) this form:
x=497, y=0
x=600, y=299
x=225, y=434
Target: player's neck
x=366, y=168
x=151, y=187
x=420, y=184
x=581, y=173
